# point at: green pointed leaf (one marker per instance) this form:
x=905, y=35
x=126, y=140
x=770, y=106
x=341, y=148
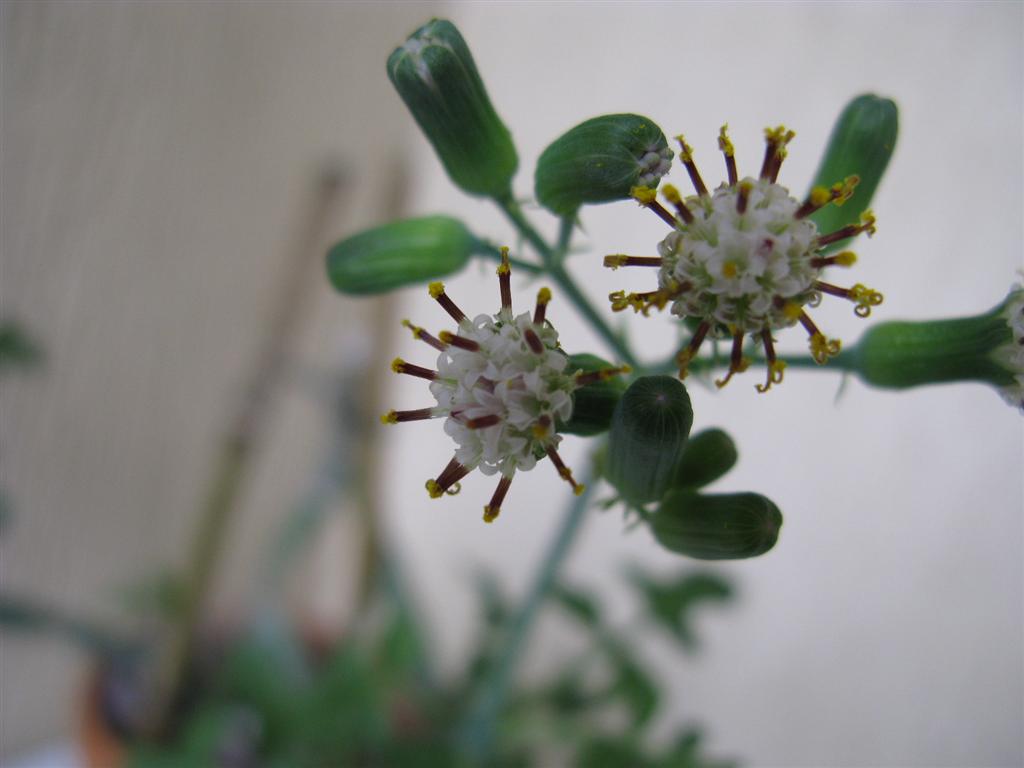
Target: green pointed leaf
x=436, y=77
x=580, y=605
x=400, y=253
x=673, y=603
x=861, y=144
x=716, y=527
x=649, y=427
x=599, y=161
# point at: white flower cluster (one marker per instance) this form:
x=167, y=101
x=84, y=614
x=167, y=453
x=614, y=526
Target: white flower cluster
x=506, y=379
x=738, y=264
x=1011, y=355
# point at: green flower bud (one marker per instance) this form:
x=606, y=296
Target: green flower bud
x=861, y=144
x=716, y=527
x=594, y=403
x=601, y=160
x=436, y=77
x=705, y=458
x=988, y=348
x=651, y=423
x=399, y=253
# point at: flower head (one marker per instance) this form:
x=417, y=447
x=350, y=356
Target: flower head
x=502, y=385
x=1010, y=355
x=746, y=259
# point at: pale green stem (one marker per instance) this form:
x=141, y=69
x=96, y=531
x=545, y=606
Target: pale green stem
x=476, y=732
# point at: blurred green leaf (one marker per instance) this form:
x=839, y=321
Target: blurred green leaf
x=17, y=349
x=27, y=616
x=631, y=683
x=401, y=253
x=862, y=142
x=686, y=751
x=716, y=527
x=578, y=604
x=673, y=603
x=651, y=423
x=609, y=752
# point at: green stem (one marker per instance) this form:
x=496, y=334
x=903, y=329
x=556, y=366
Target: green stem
x=552, y=261
x=476, y=733
x=493, y=252
x=585, y=308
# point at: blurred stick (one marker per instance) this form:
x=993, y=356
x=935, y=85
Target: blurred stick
x=242, y=437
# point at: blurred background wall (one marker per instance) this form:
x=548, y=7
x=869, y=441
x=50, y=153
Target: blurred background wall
x=162, y=176
x=158, y=163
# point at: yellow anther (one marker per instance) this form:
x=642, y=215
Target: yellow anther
x=643, y=195
x=865, y=298
x=391, y=417
x=724, y=143
x=416, y=330
x=729, y=270
x=822, y=349
x=435, y=289
x=446, y=337
x=435, y=490
x=792, y=310
x=820, y=196
x=743, y=364
x=779, y=135
x=618, y=300
x=774, y=376
x=685, y=150
x=867, y=222
x=504, y=268
x=578, y=488
x=845, y=259
x=544, y=295
x=616, y=260
x=843, y=190
x=540, y=430
x=671, y=194
x=397, y=365
x=490, y=513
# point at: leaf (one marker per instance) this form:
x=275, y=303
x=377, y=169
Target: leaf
x=17, y=349
x=578, y=604
x=672, y=603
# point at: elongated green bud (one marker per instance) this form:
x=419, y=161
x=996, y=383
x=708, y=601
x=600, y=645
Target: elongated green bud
x=729, y=526
x=861, y=144
x=599, y=161
x=400, y=253
x=705, y=458
x=436, y=77
x=988, y=348
x=649, y=427
x=594, y=403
